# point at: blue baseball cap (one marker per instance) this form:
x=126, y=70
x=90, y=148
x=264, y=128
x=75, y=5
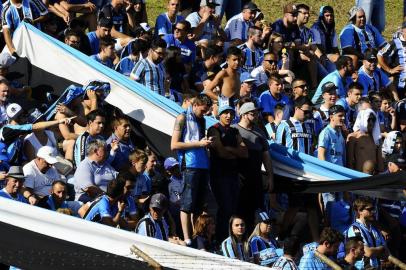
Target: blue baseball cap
x=225, y=108
x=170, y=162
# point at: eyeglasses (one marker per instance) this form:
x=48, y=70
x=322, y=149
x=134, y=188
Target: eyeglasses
x=301, y=86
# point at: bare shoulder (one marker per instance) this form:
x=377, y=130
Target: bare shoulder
x=180, y=122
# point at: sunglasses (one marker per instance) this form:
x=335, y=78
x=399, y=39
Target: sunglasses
x=271, y=61
x=301, y=86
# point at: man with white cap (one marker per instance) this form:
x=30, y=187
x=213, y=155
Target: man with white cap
x=358, y=35
x=250, y=198
x=40, y=173
x=227, y=148
x=13, y=133
x=237, y=27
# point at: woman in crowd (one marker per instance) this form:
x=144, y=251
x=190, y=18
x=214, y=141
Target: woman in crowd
x=236, y=245
x=204, y=231
x=263, y=246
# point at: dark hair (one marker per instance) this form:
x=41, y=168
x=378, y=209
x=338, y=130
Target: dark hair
x=124, y=176
x=233, y=51
x=90, y=117
x=361, y=203
x=291, y=246
x=252, y=30
x=300, y=101
x=69, y=33
x=186, y=24
x=202, y=224
x=243, y=100
x=60, y=182
x=364, y=100
x=342, y=61
x=234, y=239
x=106, y=42
x=330, y=236
x=202, y=99
x=158, y=43
x=139, y=46
x=117, y=120
x=4, y=81
x=355, y=85
x=105, y=22
x=302, y=6
x=115, y=188
x=353, y=242
x=212, y=50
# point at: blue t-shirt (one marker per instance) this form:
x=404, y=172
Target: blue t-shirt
x=350, y=113
x=125, y=66
x=361, y=39
x=94, y=42
x=120, y=158
x=372, y=83
x=187, y=48
x=333, y=142
x=338, y=81
x=164, y=26
x=101, y=209
x=108, y=63
x=309, y=261
x=268, y=103
x=141, y=186
x=19, y=198
x=289, y=34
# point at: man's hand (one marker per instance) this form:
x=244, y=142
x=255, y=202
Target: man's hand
x=206, y=142
x=120, y=206
x=91, y=94
x=115, y=145
x=206, y=17
x=32, y=199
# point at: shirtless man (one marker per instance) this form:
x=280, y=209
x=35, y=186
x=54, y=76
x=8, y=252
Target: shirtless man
x=228, y=79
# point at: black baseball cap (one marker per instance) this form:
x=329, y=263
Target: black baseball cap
x=398, y=159
x=159, y=201
x=251, y=6
x=210, y=3
x=370, y=56
x=328, y=87
x=336, y=109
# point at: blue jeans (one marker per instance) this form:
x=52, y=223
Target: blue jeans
x=230, y=7
x=374, y=12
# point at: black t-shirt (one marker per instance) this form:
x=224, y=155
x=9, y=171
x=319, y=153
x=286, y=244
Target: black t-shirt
x=228, y=137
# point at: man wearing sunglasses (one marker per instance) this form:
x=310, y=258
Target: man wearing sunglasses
x=372, y=78
x=374, y=243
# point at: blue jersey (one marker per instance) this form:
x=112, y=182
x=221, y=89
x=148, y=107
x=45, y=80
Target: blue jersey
x=79, y=150
x=338, y=81
x=187, y=48
x=289, y=34
x=265, y=250
x=164, y=26
x=125, y=66
x=309, y=261
x=361, y=39
x=99, y=209
x=12, y=15
x=252, y=59
x=157, y=229
x=321, y=119
x=141, y=186
x=371, y=238
x=120, y=158
x=333, y=142
x=271, y=130
x=237, y=28
x=372, y=83
x=268, y=103
x=295, y=135
x=150, y=74
x=18, y=198
x=306, y=36
x=238, y=253
x=108, y=63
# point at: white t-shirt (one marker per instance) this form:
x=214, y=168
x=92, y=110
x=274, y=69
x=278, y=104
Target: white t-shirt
x=39, y=182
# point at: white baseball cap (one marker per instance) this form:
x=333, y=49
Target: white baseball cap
x=48, y=153
x=13, y=110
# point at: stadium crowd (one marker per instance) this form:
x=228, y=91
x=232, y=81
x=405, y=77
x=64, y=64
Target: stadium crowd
x=336, y=94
